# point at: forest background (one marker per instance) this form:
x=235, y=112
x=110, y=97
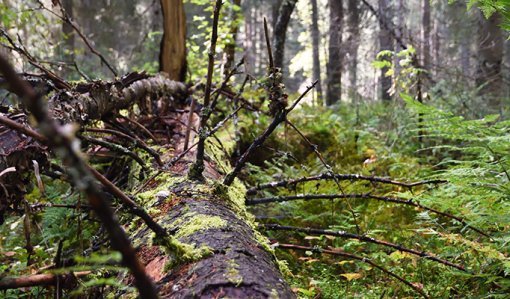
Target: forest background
x=405, y=91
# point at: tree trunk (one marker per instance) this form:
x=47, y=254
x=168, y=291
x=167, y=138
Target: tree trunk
x=280, y=31
x=315, y=45
x=354, y=40
x=172, y=56
x=334, y=66
x=425, y=34
x=385, y=43
x=230, y=48
x=490, y=57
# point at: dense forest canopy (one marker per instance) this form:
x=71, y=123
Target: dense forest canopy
x=254, y=149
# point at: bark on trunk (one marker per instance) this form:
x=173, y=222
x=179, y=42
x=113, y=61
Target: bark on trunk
x=335, y=56
x=490, y=57
x=280, y=31
x=425, y=34
x=230, y=48
x=315, y=45
x=385, y=43
x=354, y=40
x=172, y=56
x=217, y=251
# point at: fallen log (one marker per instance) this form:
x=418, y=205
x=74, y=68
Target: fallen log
x=213, y=248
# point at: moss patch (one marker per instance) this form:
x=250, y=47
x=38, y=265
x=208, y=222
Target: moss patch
x=165, y=182
x=199, y=222
x=180, y=252
x=233, y=274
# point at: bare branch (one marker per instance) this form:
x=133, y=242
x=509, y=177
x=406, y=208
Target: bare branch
x=354, y=257
x=368, y=196
x=346, y=235
x=341, y=177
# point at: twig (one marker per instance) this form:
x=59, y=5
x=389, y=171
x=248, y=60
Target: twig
x=340, y=177
x=346, y=235
x=142, y=127
x=189, y=124
x=59, y=82
x=197, y=168
x=354, y=257
x=65, y=145
x=65, y=17
x=181, y=155
x=366, y=195
x=137, y=141
x=279, y=117
x=116, y=148
x=268, y=45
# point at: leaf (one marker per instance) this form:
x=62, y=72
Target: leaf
x=352, y=276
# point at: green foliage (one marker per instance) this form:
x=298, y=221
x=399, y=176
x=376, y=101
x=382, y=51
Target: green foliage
x=490, y=7
x=471, y=154
x=198, y=42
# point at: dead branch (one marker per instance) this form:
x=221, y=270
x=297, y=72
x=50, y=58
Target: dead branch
x=136, y=141
x=48, y=279
x=133, y=207
x=346, y=235
x=409, y=202
x=116, y=148
x=341, y=177
x=64, y=144
x=354, y=257
x=279, y=117
x=196, y=170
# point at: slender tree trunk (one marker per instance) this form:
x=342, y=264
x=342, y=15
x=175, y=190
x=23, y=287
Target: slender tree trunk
x=425, y=34
x=315, y=45
x=354, y=40
x=385, y=43
x=335, y=59
x=275, y=12
x=172, y=56
x=247, y=43
x=400, y=30
x=67, y=30
x=230, y=48
x=490, y=57
x=280, y=31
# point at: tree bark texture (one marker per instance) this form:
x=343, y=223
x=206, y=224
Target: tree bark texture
x=385, y=43
x=335, y=54
x=316, y=50
x=280, y=31
x=354, y=41
x=425, y=34
x=230, y=48
x=172, y=56
x=490, y=57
